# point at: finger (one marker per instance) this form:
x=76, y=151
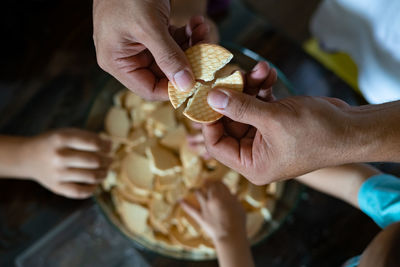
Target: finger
x=138, y=74
x=84, y=159
x=223, y=148
x=179, y=34
x=238, y=106
x=77, y=191
x=144, y=83
x=256, y=77
x=195, y=139
x=198, y=30
x=218, y=190
x=196, y=125
x=233, y=128
x=266, y=95
x=156, y=70
x=200, y=34
x=133, y=62
x=213, y=133
x=192, y=211
x=201, y=199
x=193, y=23
x=271, y=79
x=200, y=149
x=171, y=59
x=251, y=132
x=84, y=140
x=205, y=155
x=84, y=176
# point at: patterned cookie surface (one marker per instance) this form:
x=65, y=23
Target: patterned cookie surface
x=207, y=59
x=177, y=97
x=198, y=109
x=234, y=81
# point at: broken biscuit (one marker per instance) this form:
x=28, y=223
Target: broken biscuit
x=206, y=60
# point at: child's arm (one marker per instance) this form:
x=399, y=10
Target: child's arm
x=13, y=155
x=222, y=217
x=342, y=182
x=69, y=162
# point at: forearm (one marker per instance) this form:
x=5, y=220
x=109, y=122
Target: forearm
x=375, y=133
x=342, y=182
x=234, y=252
x=12, y=156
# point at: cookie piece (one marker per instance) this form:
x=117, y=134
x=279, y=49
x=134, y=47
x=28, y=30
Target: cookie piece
x=178, y=97
x=207, y=59
x=197, y=108
x=233, y=81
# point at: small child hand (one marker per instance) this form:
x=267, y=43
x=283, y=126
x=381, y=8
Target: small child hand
x=220, y=215
x=69, y=162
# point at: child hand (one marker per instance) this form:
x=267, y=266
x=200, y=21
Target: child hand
x=69, y=162
x=220, y=215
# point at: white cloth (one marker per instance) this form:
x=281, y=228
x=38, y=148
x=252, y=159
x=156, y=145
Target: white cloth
x=369, y=31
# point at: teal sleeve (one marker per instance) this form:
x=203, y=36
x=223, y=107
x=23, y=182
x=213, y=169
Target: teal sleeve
x=379, y=198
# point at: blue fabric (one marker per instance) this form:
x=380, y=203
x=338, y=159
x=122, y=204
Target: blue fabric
x=379, y=198
x=353, y=262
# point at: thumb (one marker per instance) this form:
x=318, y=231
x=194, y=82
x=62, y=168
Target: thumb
x=237, y=106
x=171, y=60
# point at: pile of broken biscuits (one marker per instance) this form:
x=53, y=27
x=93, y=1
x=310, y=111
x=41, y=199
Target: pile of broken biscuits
x=154, y=166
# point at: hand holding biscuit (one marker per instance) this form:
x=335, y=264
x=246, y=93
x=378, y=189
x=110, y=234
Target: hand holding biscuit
x=271, y=140
x=135, y=43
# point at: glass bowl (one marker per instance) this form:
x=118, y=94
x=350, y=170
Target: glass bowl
x=246, y=59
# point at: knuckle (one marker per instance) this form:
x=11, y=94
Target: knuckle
x=57, y=159
x=168, y=57
x=95, y=160
x=59, y=174
x=91, y=176
x=58, y=139
x=92, y=140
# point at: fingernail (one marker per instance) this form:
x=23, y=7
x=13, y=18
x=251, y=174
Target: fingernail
x=218, y=99
x=202, y=19
x=183, y=80
x=256, y=68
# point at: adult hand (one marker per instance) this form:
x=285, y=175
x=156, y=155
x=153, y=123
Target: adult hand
x=273, y=140
x=69, y=162
x=135, y=43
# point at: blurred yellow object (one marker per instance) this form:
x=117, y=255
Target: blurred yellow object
x=340, y=63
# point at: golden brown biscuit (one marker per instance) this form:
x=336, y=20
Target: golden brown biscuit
x=206, y=60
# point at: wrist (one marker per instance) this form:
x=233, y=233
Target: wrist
x=375, y=134
x=230, y=238
x=24, y=158
x=13, y=156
